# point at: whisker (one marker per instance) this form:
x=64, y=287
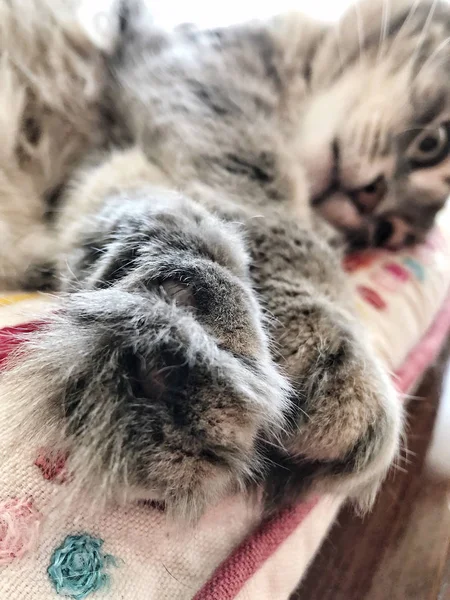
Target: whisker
x=423, y=33
x=433, y=55
x=409, y=452
x=360, y=29
x=383, y=32
x=337, y=30
x=399, y=468
x=411, y=13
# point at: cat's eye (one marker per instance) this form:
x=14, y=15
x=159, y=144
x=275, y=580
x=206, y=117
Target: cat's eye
x=430, y=147
x=367, y=197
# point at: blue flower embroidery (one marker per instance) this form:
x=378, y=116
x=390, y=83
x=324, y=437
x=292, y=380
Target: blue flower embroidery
x=415, y=267
x=77, y=566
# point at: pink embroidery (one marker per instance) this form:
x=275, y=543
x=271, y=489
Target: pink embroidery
x=397, y=271
x=11, y=337
x=372, y=297
x=353, y=262
x=52, y=465
x=19, y=528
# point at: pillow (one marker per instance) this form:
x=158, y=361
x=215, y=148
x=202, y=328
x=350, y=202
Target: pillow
x=132, y=552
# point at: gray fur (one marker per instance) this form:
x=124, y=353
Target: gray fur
x=207, y=343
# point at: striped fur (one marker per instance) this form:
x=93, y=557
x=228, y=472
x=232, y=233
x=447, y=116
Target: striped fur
x=206, y=344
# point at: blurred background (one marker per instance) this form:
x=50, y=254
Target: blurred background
x=210, y=14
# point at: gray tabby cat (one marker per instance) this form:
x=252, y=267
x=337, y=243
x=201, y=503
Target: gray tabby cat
x=207, y=345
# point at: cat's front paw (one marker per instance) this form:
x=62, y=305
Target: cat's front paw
x=149, y=400
x=348, y=418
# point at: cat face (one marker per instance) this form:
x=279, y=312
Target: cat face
x=376, y=136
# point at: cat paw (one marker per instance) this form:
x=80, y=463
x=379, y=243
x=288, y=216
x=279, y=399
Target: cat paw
x=161, y=385
x=347, y=420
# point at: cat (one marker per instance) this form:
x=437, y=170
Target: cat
x=193, y=189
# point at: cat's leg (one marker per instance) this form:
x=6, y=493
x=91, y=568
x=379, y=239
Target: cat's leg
x=155, y=376
x=347, y=420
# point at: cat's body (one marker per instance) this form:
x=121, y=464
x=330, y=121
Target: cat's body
x=201, y=182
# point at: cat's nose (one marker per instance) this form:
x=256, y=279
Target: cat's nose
x=392, y=232
x=383, y=232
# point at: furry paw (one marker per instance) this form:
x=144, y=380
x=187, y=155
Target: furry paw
x=346, y=421
x=348, y=418
x=161, y=385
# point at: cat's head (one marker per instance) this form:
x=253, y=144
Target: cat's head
x=376, y=137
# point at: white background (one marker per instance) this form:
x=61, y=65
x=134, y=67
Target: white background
x=209, y=13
